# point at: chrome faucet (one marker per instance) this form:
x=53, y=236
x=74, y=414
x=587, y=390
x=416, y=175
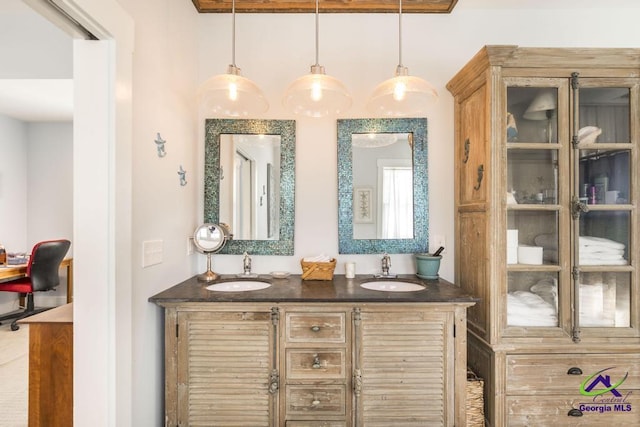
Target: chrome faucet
x=246, y=264
x=386, y=265
x=246, y=267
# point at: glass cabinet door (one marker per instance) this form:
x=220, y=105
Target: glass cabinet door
x=536, y=187
x=603, y=163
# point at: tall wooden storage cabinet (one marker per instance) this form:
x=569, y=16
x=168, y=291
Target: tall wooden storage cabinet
x=547, y=190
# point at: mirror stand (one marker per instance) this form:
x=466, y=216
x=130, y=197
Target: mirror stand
x=208, y=275
x=209, y=239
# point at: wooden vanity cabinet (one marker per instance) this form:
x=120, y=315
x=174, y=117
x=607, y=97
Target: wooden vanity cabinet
x=315, y=365
x=547, y=231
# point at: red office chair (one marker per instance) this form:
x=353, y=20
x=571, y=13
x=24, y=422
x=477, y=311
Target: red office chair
x=42, y=275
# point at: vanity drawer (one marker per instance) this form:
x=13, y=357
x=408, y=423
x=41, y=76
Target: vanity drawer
x=327, y=400
x=312, y=364
x=554, y=411
x=316, y=327
x=545, y=373
x=316, y=424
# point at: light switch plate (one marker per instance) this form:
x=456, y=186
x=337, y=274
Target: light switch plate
x=189, y=245
x=152, y=251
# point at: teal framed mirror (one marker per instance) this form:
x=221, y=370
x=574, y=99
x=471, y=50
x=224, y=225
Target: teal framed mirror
x=250, y=183
x=383, y=186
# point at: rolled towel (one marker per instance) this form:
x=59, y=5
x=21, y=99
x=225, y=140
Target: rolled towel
x=547, y=241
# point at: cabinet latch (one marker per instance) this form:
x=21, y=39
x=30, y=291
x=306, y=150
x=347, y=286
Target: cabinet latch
x=578, y=207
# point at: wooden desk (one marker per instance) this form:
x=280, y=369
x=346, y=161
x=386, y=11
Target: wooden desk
x=51, y=367
x=17, y=271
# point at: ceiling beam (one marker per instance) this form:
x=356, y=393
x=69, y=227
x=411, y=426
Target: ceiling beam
x=332, y=6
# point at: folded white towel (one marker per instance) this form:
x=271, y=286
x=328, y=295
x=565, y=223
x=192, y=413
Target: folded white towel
x=528, y=309
x=599, y=261
x=600, y=241
x=600, y=250
x=318, y=258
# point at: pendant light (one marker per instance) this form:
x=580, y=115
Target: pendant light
x=316, y=94
x=231, y=94
x=402, y=95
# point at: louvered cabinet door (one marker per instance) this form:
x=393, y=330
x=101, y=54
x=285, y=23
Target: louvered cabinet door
x=404, y=368
x=225, y=360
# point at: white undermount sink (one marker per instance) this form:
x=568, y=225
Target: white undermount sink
x=392, y=286
x=238, y=286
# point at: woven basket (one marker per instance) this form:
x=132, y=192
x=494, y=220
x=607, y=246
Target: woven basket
x=475, y=400
x=317, y=270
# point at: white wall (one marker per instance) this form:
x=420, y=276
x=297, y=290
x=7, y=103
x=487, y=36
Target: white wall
x=50, y=192
x=13, y=184
x=13, y=194
x=164, y=87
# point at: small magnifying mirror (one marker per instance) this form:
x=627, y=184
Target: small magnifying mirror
x=209, y=239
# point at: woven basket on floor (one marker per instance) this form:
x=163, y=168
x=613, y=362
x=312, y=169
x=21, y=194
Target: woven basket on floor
x=317, y=270
x=475, y=400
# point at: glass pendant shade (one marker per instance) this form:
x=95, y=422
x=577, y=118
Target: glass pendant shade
x=231, y=95
x=316, y=95
x=402, y=95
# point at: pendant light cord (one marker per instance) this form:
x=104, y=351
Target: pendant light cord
x=233, y=33
x=400, y=35
x=317, y=31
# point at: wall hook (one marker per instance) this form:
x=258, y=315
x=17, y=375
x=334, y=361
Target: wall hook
x=160, y=145
x=183, y=176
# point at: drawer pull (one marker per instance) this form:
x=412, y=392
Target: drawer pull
x=315, y=328
x=316, y=362
x=574, y=371
x=575, y=413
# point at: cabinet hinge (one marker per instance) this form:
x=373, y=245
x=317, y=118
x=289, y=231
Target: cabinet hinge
x=275, y=315
x=575, y=83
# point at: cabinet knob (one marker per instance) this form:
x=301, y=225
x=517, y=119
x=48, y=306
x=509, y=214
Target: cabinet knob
x=316, y=362
x=315, y=328
x=574, y=371
x=315, y=402
x=575, y=413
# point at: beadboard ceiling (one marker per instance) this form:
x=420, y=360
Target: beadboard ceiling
x=341, y=6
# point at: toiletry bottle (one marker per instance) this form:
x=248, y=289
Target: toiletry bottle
x=592, y=195
x=3, y=256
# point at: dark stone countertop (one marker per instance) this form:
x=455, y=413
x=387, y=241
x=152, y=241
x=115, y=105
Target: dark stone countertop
x=293, y=289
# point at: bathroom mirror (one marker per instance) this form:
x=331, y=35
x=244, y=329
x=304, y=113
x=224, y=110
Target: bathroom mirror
x=382, y=186
x=250, y=183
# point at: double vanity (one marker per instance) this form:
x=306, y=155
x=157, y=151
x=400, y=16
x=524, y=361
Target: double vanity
x=291, y=352
x=263, y=351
